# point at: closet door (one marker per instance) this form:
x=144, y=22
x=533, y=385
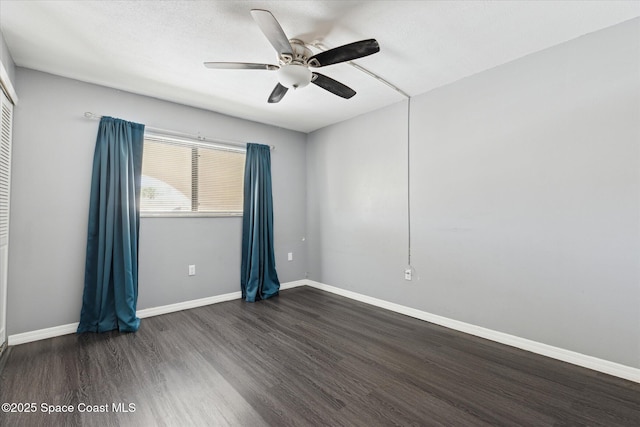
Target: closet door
x=6, y=114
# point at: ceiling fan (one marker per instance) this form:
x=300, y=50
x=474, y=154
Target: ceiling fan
x=294, y=60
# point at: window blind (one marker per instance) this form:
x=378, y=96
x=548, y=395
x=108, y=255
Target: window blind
x=186, y=177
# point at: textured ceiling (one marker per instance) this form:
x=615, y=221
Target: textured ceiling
x=156, y=48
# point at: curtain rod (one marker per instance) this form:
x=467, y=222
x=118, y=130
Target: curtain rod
x=94, y=116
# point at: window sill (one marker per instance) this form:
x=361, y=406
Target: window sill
x=190, y=215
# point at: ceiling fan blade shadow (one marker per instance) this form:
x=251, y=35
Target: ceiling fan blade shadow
x=333, y=86
x=240, y=66
x=277, y=94
x=347, y=52
x=272, y=31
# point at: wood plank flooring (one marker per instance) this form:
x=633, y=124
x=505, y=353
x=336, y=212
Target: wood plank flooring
x=304, y=358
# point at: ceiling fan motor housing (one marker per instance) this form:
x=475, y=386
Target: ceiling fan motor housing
x=300, y=53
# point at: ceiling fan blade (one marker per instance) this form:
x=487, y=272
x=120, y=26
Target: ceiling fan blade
x=239, y=66
x=272, y=30
x=347, y=52
x=333, y=86
x=277, y=94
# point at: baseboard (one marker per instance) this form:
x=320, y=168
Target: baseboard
x=71, y=328
x=590, y=362
x=579, y=359
x=186, y=305
x=42, y=334
x=289, y=285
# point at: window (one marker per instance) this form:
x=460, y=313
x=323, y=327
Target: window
x=184, y=177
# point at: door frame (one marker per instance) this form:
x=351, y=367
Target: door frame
x=10, y=98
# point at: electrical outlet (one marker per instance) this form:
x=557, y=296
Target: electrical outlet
x=192, y=270
x=407, y=274
x=290, y=256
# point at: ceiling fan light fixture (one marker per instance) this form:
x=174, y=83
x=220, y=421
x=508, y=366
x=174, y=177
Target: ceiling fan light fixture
x=295, y=58
x=294, y=76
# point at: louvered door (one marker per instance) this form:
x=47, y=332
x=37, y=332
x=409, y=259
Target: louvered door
x=5, y=186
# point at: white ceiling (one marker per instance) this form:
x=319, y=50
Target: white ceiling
x=156, y=48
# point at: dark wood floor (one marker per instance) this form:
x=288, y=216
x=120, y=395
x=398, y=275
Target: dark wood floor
x=304, y=358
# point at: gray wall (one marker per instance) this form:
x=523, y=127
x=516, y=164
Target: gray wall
x=52, y=159
x=357, y=203
x=525, y=192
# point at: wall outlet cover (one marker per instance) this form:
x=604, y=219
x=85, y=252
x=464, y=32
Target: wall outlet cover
x=407, y=274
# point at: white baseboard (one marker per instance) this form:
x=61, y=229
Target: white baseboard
x=71, y=328
x=186, y=305
x=590, y=362
x=295, y=284
x=42, y=334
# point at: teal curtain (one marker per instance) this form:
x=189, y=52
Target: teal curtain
x=259, y=279
x=111, y=268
